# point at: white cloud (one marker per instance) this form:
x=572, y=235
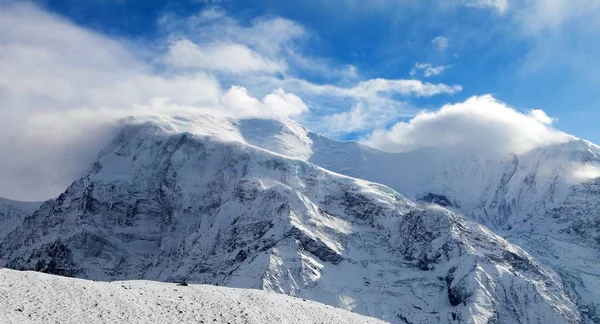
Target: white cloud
x=428, y=69
x=284, y=104
x=276, y=104
x=268, y=36
x=440, y=42
x=404, y=87
x=58, y=88
x=541, y=116
x=376, y=87
x=364, y=115
x=234, y=58
x=63, y=88
x=373, y=103
x=480, y=124
x=354, y=119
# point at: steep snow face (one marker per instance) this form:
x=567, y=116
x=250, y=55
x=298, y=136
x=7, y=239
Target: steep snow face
x=500, y=191
x=12, y=214
x=164, y=205
x=546, y=199
x=30, y=297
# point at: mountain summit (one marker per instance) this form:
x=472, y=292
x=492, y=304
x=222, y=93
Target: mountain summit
x=267, y=204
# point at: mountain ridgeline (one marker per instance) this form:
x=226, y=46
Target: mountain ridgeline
x=253, y=203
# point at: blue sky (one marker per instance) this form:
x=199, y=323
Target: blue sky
x=501, y=76
x=488, y=51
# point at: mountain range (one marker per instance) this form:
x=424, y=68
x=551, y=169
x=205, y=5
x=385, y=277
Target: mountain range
x=427, y=236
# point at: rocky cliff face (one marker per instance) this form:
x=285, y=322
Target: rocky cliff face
x=162, y=203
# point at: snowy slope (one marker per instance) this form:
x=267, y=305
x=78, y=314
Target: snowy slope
x=12, y=214
x=162, y=203
x=30, y=297
x=546, y=200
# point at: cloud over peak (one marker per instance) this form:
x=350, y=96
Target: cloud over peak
x=481, y=123
x=63, y=87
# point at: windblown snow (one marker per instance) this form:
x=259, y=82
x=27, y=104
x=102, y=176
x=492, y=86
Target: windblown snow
x=257, y=203
x=31, y=297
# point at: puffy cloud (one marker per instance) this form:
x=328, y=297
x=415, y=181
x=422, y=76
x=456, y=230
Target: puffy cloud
x=428, y=69
x=284, y=104
x=277, y=104
x=480, y=123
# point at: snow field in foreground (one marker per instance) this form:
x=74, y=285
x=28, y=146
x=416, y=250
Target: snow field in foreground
x=30, y=297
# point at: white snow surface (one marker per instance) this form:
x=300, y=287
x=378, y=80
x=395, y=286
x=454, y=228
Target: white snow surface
x=253, y=203
x=31, y=297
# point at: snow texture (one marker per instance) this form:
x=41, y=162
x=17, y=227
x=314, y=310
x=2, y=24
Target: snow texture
x=30, y=297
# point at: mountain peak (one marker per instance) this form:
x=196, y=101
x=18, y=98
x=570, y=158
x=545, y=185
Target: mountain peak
x=264, y=203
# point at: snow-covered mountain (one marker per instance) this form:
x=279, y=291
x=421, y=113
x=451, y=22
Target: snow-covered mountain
x=546, y=200
x=30, y=297
x=253, y=204
x=12, y=214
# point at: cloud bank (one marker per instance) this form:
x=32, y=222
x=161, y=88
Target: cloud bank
x=480, y=124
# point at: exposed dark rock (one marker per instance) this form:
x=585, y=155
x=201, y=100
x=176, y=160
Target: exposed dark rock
x=315, y=246
x=436, y=199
